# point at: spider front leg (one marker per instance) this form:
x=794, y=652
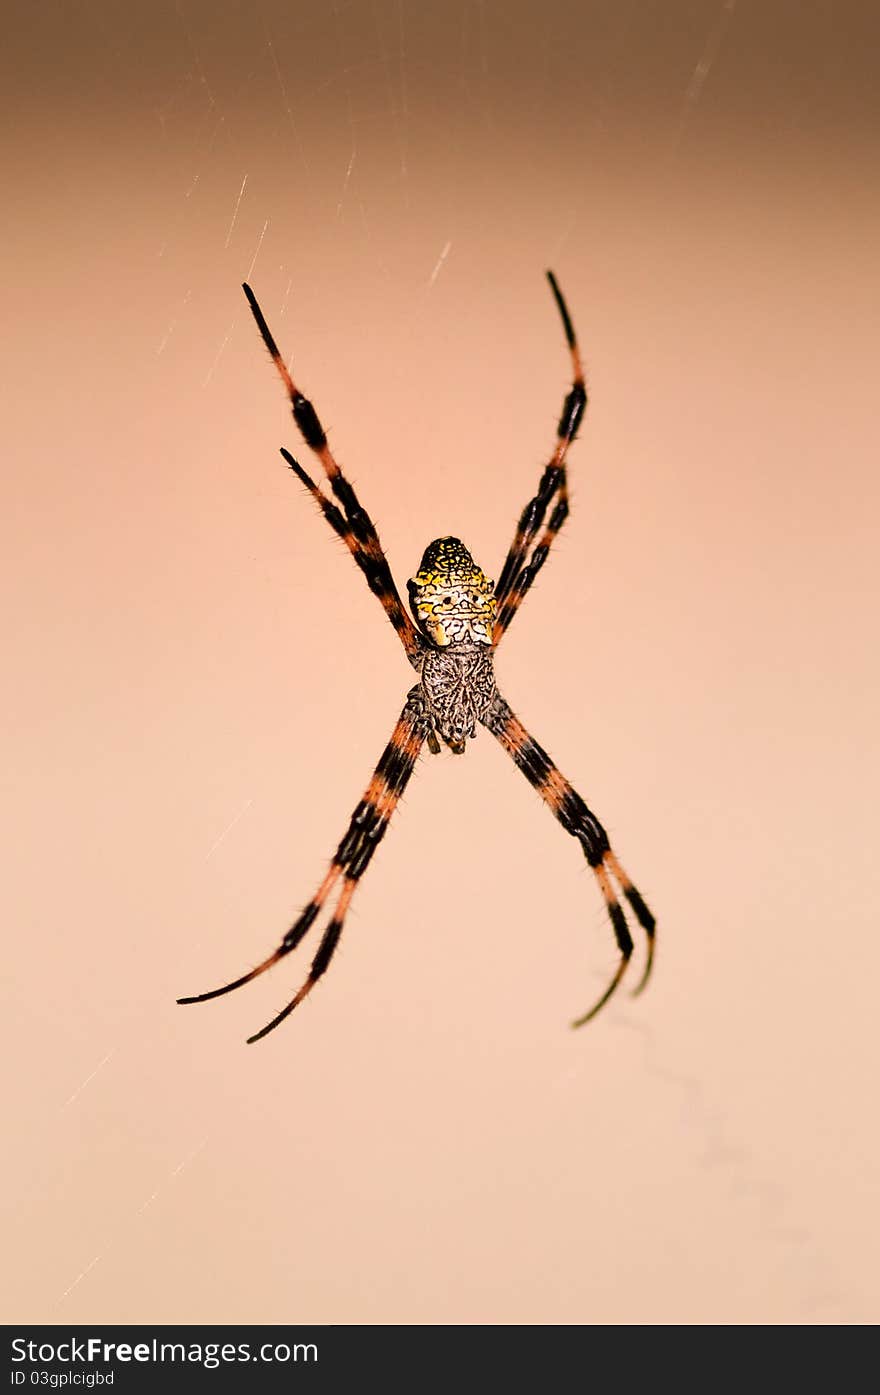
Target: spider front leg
x=350, y=520
x=578, y=820
x=520, y=569
x=365, y=831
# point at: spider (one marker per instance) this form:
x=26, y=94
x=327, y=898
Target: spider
x=458, y=619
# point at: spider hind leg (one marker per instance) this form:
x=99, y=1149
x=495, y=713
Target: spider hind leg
x=347, y=517
x=526, y=556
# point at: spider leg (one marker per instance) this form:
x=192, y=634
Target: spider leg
x=378, y=576
x=365, y=831
x=520, y=569
x=359, y=533
x=578, y=820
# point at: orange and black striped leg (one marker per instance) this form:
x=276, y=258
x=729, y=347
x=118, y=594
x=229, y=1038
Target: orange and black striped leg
x=515, y=595
x=360, y=533
x=378, y=576
x=351, y=859
x=552, y=485
x=581, y=823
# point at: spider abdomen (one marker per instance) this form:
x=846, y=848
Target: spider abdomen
x=452, y=600
x=458, y=683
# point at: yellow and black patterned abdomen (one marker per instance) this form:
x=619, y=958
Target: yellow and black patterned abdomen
x=452, y=601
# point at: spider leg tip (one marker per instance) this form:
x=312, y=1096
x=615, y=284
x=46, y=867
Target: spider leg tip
x=587, y=1017
x=646, y=974
x=269, y=1027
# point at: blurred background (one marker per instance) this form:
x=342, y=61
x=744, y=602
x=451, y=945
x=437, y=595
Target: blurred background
x=199, y=683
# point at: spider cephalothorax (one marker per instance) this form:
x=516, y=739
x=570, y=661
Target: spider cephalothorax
x=458, y=685
x=460, y=618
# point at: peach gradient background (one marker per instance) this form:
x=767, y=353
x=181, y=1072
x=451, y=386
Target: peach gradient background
x=198, y=683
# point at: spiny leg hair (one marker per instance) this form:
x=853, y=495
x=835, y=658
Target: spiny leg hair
x=365, y=831
x=578, y=820
x=351, y=522
x=520, y=569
